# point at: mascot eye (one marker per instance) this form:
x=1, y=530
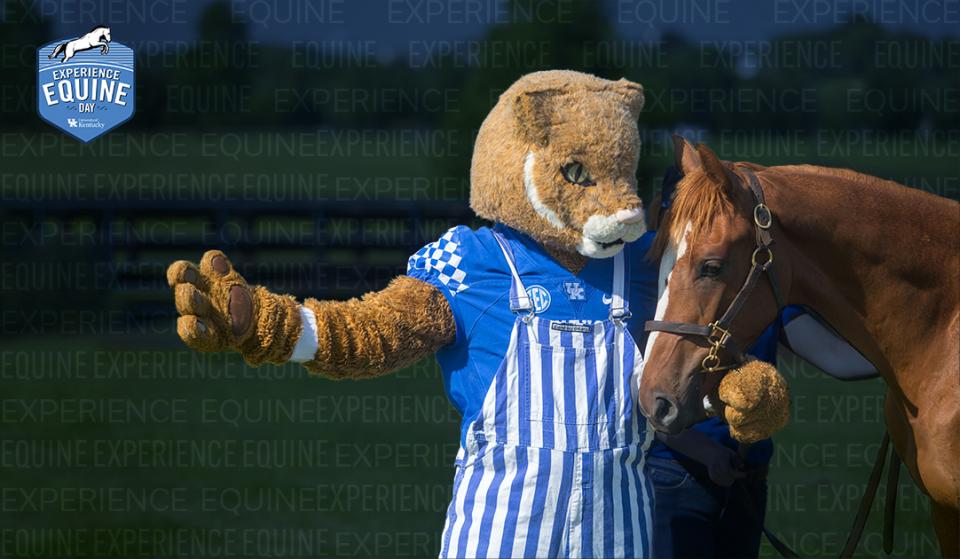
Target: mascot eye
x=711, y=268
x=575, y=173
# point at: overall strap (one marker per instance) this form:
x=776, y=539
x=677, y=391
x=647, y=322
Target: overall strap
x=519, y=301
x=620, y=306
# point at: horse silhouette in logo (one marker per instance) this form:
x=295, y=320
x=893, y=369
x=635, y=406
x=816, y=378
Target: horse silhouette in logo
x=99, y=37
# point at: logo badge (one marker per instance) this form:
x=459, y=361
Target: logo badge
x=574, y=291
x=540, y=298
x=85, y=85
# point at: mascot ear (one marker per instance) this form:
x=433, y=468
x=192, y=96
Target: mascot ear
x=632, y=95
x=685, y=157
x=531, y=110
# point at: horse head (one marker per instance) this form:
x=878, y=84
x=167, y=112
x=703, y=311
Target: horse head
x=706, y=245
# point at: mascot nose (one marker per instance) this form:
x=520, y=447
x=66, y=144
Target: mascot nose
x=629, y=217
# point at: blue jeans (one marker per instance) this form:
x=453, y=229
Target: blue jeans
x=696, y=518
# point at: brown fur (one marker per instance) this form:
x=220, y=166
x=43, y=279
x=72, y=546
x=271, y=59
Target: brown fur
x=206, y=298
x=757, y=402
x=382, y=332
x=277, y=329
x=561, y=116
x=572, y=261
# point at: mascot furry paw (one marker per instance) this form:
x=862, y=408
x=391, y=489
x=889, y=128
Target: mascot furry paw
x=219, y=311
x=529, y=319
x=757, y=402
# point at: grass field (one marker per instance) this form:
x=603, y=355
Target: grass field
x=120, y=444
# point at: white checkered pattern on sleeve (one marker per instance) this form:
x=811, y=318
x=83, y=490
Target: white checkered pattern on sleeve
x=443, y=258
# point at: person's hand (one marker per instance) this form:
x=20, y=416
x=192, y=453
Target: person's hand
x=219, y=311
x=724, y=466
x=757, y=402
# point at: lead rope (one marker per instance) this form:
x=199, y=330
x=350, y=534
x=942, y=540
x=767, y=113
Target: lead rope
x=860, y=520
x=890, y=504
x=867, y=501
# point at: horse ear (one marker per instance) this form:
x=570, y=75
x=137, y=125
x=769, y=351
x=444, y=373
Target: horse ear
x=685, y=157
x=713, y=167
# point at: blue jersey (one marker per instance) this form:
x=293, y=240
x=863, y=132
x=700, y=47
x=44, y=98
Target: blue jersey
x=469, y=268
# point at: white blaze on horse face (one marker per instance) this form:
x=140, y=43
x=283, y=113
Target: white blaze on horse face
x=668, y=261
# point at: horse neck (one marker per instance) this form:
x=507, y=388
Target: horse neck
x=875, y=259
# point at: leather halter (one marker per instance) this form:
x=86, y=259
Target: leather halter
x=718, y=333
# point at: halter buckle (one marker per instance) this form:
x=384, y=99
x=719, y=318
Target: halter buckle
x=718, y=336
x=762, y=216
x=714, y=362
x=767, y=261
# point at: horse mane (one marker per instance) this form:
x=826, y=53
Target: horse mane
x=98, y=27
x=698, y=200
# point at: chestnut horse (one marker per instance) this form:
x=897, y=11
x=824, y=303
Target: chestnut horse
x=877, y=261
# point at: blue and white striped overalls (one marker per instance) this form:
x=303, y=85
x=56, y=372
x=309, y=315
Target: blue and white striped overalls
x=553, y=464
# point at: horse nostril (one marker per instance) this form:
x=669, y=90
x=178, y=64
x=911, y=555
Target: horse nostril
x=666, y=410
x=629, y=217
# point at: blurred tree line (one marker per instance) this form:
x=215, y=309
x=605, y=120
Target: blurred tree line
x=697, y=84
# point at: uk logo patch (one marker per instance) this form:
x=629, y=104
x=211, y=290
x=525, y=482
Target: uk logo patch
x=86, y=85
x=574, y=291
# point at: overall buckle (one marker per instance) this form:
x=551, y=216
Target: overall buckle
x=620, y=316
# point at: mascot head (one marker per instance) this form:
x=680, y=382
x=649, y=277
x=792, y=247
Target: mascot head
x=557, y=157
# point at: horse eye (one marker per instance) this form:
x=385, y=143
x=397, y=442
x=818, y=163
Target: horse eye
x=711, y=268
x=575, y=173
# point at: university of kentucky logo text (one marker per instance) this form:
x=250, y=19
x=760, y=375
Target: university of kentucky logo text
x=85, y=86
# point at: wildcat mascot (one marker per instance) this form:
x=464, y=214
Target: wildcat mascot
x=530, y=320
